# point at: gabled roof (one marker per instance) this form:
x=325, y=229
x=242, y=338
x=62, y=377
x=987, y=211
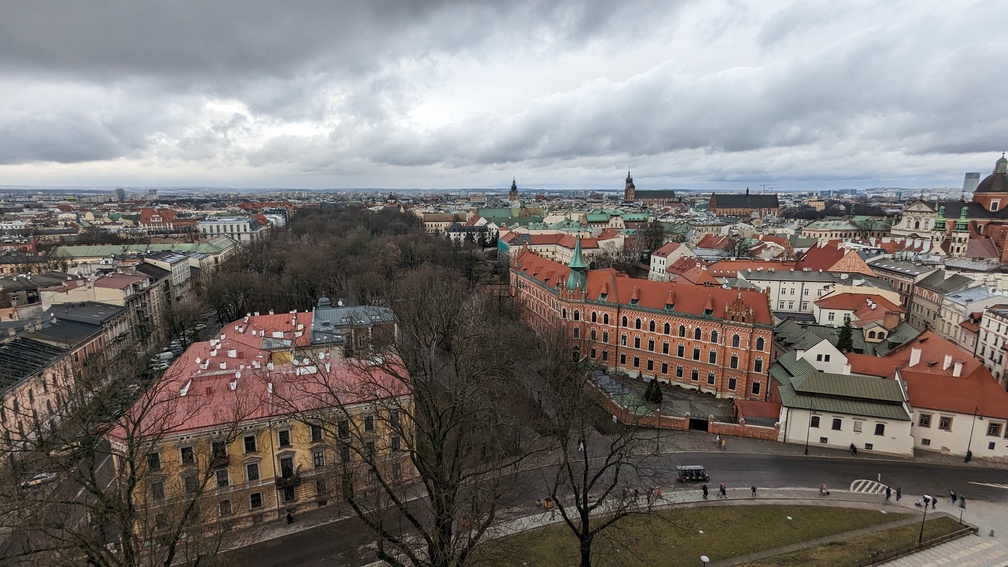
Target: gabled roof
x=852, y=301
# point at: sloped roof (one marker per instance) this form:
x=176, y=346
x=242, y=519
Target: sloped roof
x=744, y=201
x=978, y=392
x=852, y=301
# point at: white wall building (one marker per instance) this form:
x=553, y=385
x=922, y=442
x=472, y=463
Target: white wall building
x=245, y=229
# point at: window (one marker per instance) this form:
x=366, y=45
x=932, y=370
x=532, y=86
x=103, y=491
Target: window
x=814, y=422
x=577, y=315
x=679, y=371
x=879, y=429
x=637, y=323
x=713, y=337
x=592, y=335
x=758, y=365
x=287, y=467
x=925, y=442
x=222, y=478
x=161, y=521
x=250, y=444
x=994, y=430
x=154, y=461
x=345, y=453
x=636, y=361
x=733, y=362
x=636, y=342
x=682, y=330
x=605, y=318
x=735, y=341
x=696, y=353
x=665, y=348
x=650, y=364
x=668, y=329
x=712, y=357
x=369, y=423
x=190, y=483
x=710, y=378
x=651, y=326
x=623, y=341
x=284, y=438
x=624, y=321
x=605, y=337
x=396, y=443
x=225, y=508
x=945, y=423
x=252, y=471
x=577, y=333
x=664, y=368
x=732, y=382
x=830, y=316
x=871, y=334
x=695, y=375
x=320, y=486
x=755, y=388
x=837, y=423
x=369, y=450
x=316, y=433
x=857, y=426
x=318, y=459
x=343, y=428
x=157, y=490
x=605, y=355
x=622, y=358
x=255, y=500
x=650, y=345
x=925, y=420
x=681, y=351
x=824, y=440
x=188, y=456
x=697, y=334
x=869, y=446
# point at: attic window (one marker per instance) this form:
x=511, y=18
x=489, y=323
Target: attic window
x=708, y=312
x=634, y=300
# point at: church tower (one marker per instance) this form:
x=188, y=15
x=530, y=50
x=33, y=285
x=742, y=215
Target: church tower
x=960, y=236
x=578, y=278
x=513, y=194
x=629, y=191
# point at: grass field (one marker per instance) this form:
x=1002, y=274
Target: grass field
x=681, y=536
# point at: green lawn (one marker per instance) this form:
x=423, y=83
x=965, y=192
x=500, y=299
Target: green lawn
x=857, y=550
x=680, y=536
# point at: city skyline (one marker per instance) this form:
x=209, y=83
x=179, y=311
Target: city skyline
x=446, y=96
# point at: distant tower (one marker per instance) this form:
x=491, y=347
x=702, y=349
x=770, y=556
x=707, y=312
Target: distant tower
x=971, y=181
x=152, y=195
x=629, y=191
x=120, y=194
x=513, y=194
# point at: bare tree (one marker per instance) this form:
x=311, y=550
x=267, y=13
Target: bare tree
x=595, y=484
x=182, y=316
x=454, y=433
x=118, y=501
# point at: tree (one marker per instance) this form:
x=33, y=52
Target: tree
x=740, y=247
x=653, y=392
x=182, y=316
x=594, y=485
x=456, y=429
x=845, y=341
x=653, y=236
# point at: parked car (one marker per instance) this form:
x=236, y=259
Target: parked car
x=38, y=481
x=200, y=326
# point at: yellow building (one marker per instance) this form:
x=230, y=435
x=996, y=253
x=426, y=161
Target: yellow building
x=257, y=423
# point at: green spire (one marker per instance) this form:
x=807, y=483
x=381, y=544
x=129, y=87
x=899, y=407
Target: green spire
x=962, y=224
x=578, y=278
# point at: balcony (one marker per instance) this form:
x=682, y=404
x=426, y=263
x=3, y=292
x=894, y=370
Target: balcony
x=287, y=481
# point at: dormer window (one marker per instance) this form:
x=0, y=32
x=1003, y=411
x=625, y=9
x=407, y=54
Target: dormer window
x=995, y=204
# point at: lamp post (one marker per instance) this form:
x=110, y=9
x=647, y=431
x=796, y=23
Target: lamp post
x=962, y=507
x=657, y=446
x=927, y=502
x=808, y=429
x=969, y=444
x=705, y=560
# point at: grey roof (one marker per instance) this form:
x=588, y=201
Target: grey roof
x=798, y=335
x=23, y=357
x=788, y=275
x=328, y=321
x=971, y=295
x=938, y=283
x=899, y=266
x=153, y=271
x=802, y=386
x=87, y=312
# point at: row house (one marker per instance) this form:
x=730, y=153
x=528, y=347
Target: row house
x=239, y=229
x=791, y=291
x=959, y=306
x=901, y=275
x=928, y=294
x=707, y=338
x=263, y=420
x=992, y=341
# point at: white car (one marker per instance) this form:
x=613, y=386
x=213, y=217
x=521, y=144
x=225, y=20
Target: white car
x=38, y=480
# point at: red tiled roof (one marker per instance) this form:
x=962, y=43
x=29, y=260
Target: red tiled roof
x=690, y=299
x=667, y=249
x=117, y=281
x=167, y=215
x=715, y=242
x=731, y=268
x=854, y=301
x=976, y=392
x=932, y=359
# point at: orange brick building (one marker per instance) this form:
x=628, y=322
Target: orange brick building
x=712, y=339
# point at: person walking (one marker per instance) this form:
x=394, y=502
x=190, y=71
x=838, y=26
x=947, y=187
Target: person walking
x=899, y=493
x=722, y=493
x=934, y=502
x=880, y=477
x=704, y=489
x=753, y=487
x=853, y=450
x=888, y=493
x=952, y=495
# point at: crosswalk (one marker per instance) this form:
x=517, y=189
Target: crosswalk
x=865, y=486
x=991, y=484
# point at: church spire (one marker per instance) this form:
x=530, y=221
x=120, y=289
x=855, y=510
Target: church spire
x=578, y=278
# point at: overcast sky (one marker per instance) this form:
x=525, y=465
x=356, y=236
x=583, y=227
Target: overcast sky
x=441, y=94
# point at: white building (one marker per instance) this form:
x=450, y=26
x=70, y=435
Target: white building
x=244, y=229
x=665, y=256
x=957, y=307
x=791, y=291
x=992, y=340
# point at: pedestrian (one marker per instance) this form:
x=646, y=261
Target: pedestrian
x=934, y=502
x=704, y=489
x=952, y=495
x=853, y=450
x=722, y=494
x=290, y=518
x=880, y=477
x=580, y=446
x=753, y=488
x=658, y=492
x=723, y=443
x=888, y=493
x=899, y=493
x=719, y=440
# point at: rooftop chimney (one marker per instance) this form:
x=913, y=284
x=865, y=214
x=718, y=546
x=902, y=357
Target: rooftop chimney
x=915, y=354
x=948, y=362
x=957, y=369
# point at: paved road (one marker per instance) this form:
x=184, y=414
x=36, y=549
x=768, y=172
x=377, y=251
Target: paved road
x=342, y=542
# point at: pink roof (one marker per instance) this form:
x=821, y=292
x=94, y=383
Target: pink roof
x=118, y=281
x=855, y=301
x=667, y=249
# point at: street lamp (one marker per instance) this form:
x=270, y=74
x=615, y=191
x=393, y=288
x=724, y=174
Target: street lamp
x=962, y=507
x=969, y=454
x=705, y=559
x=927, y=501
x=657, y=446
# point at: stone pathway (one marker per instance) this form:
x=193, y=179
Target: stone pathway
x=969, y=551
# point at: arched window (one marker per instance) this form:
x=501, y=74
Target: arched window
x=735, y=341
x=624, y=320
x=668, y=329
x=564, y=313
x=881, y=334
x=577, y=315
x=594, y=317
x=871, y=334
x=682, y=330
x=713, y=337
x=605, y=318
x=917, y=224
x=697, y=334
x=760, y=343
x=651, y=326
x=637, y=323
